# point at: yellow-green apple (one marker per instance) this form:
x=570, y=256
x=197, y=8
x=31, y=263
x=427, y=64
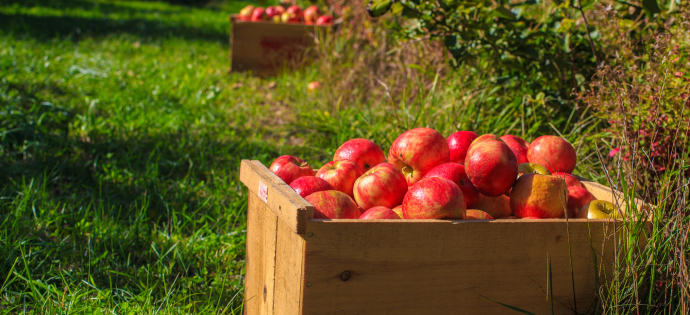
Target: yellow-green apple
x=455, y=172
x=498, y=207
x=536, y=195
x=417, y=151
x=434, y=198
x=259, y=14
x=398, y=210
x=570, y=180
x=246, y=13
x=274, y=11
x=557, y=154
x=458, y=143
x=525, y=168
x=324, y=20
x=599, y=209
x=310, y=14
x=341, y=174
x=365, y=153
x=483, y=138
x=278, y=18
x=289, y=168
x=578, y=197
x=518, y=145
x=307, y=185
x=491, y=166
x=382, y=185
x=333, y=204
x=475, y=214
x=379, y=213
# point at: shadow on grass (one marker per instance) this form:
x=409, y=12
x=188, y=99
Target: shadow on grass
x=46, y=27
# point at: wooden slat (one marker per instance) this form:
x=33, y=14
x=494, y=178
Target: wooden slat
x=261, y=256
x=445, y=267
x=289, y=271
x=282, y=200
x=602, y=192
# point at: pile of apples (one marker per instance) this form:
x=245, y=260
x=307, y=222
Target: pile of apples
x=279, y=14
x=462, y=177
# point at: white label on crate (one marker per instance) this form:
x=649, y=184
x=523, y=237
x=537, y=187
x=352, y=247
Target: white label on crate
x=263, y=192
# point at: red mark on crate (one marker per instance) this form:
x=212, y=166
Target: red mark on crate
x=263, y=192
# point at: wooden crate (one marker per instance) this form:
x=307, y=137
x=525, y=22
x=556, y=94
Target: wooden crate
x=299, y=265
x=266, y=48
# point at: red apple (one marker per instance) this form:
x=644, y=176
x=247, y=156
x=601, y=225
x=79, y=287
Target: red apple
x=313, y=86
x=474, y=214
x=289, y=17
x=382, y=185
x=296, y=10
x=483, y=138
x=458, y=143
x=324, y=20
x=553, y=152
x=417, y=151
x=259, y=14
x=570, y=180
x=541, y=196
x=332, y=204
x=492, y=167
x=398, y=210
x=365, y=153
x=518, y=146
x=379, y=213
x=455, y=172
x=273, y=11
x=434, y=198
x=310, y=14
x=341, y=174
x=246, y=13
x=578, y=197
x=497, y=207
x=307, y=185
x=289, y=168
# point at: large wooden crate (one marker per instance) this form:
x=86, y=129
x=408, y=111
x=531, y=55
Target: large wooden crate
x=266, y=48
x=300, y=265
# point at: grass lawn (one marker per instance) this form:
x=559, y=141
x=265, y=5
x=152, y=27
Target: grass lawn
x=121, y=136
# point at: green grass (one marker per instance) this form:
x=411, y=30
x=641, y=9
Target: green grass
x=121, y=136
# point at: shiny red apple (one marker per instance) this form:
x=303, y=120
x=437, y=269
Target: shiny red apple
x=459, y=143
x=557, y=154
x=536, y=195
x=324, y=20
x=379, y=213
x=497, y=207
x=570, y=180
x=382, y=185
x=518, y=146
x=307, y=185
x=434, y=198
x=365, y=153
x=289, y=168
x=259, y=14
x=341, y=174
x=310, y=14
x=332, y=204
x=246, y=13
x=417, y=151
x=455, y=172
x=492, y=167
x=578, y=197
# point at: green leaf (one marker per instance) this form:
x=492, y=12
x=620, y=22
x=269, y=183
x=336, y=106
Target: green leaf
x=397, y=8
x=566, y=25
x=410, y=13
x=651, y=7
x=503, y=12
x=378, y=7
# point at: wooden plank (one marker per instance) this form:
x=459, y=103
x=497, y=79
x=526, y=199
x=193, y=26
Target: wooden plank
x=266, y=48
x=445, y=267
x=261, y=254
x=289, y=271
x=280, y=198
x=602, y=192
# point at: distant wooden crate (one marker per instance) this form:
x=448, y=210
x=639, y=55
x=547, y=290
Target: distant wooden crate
x=266, y=48
x=300, y=265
